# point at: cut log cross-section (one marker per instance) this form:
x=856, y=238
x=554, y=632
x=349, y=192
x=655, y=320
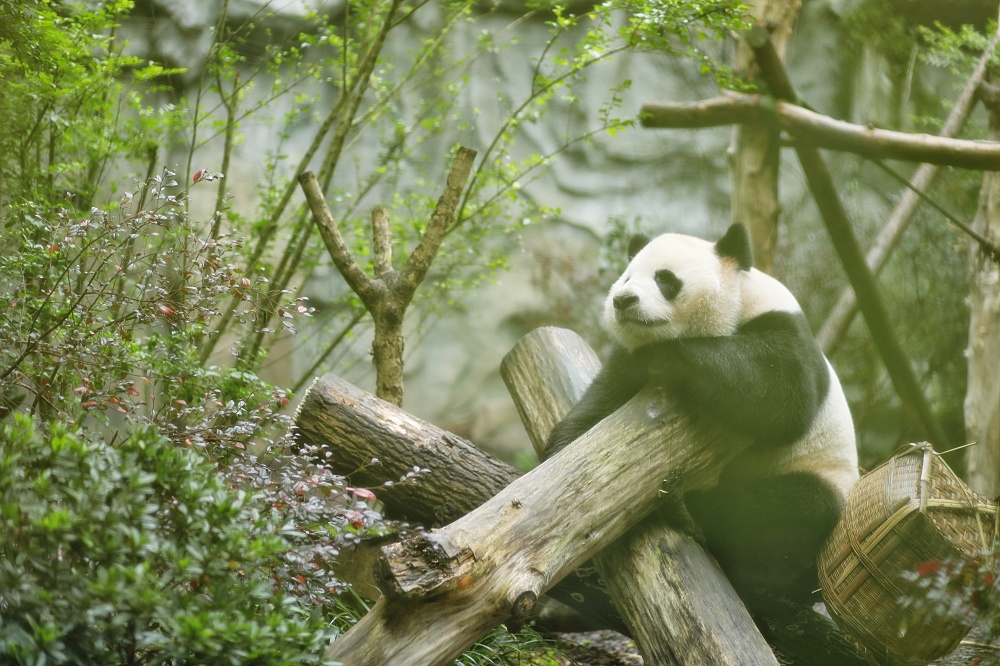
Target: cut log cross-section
x=445, y=589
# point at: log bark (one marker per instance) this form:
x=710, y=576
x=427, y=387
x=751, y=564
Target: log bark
x=756, y=148
x=982, y=397
x=444, y=590
x=361, y=428
x=839, y=319
x=849, y=251
x=677, y=603
x=819, y=131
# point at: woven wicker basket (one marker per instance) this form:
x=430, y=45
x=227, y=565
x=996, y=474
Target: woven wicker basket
x=910, y=510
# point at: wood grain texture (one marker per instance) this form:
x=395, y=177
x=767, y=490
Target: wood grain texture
x=360, y=427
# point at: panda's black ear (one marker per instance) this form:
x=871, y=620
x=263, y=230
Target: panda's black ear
x=635, y=244
x=736, y=245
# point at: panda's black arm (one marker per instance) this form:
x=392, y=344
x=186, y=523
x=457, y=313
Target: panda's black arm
x=616, y=383
x=767, y=381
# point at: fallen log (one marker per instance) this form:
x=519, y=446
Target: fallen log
x=677, y=603
x=373, y=442
x=445, y=589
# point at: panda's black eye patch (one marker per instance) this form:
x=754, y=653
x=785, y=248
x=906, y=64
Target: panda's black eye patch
x=669, y=284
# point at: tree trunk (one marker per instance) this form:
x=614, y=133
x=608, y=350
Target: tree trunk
x=387, y=352
x=982, y=397
x=756, y=148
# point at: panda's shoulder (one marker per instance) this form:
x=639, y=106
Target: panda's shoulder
x=763, y=294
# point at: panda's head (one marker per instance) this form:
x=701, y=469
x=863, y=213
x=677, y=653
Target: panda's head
x=678, y=286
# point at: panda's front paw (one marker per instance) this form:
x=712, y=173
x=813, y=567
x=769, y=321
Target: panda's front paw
x=673, y=510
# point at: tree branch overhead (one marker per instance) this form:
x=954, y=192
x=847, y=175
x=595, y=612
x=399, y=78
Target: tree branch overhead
x=823, y=131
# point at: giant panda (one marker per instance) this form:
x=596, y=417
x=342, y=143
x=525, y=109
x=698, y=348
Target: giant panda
x=731, y=346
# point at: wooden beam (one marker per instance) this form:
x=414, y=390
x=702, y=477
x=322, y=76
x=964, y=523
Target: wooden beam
x=820, y=131
x=849, y=250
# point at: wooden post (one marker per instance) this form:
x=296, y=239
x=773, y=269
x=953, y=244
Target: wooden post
x=982, y=396
x=756, y=147
x=677, y=603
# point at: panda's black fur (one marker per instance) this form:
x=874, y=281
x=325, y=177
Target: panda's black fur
x=746, y=362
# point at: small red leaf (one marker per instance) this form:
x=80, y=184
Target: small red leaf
x=928, y=567
x=363, y=493
x=199, y=175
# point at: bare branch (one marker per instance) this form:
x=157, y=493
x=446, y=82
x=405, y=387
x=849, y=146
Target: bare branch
x=419, y=262
x=840, y=317
x=381, y=242
x=824, y=132
x=356, y=278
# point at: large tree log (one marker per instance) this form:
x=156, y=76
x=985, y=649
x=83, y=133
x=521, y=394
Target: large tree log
x=819, y=131
x=678, y=605
x=361, y=428
x=444, y=590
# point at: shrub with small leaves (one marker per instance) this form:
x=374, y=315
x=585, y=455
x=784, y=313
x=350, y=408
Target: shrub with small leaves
x=964, y=592
x=139, y=553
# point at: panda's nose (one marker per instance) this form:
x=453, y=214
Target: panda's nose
x=624, y=301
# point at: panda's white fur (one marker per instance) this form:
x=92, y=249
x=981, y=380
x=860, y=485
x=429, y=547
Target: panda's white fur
x=730, y=343
x=717, y=298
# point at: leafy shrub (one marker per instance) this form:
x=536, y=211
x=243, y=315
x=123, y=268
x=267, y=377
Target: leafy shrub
x=966, y=592
x=139, y=553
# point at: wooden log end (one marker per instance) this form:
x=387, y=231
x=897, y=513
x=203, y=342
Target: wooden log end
x=421, y=567
x=522, y=607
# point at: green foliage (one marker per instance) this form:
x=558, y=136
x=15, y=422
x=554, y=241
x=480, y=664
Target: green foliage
x=965, y=592
x=138, y=552
x=524, y=648
x=63, y=100
x=958, y=50
x=884, y=27
x=102, y=314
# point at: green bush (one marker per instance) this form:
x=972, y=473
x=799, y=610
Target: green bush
x=138, y=553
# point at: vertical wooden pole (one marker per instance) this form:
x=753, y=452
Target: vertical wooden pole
x=756, y=148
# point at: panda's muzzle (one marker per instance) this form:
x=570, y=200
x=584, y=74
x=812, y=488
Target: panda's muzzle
x=623, y=302
x=626, y=314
